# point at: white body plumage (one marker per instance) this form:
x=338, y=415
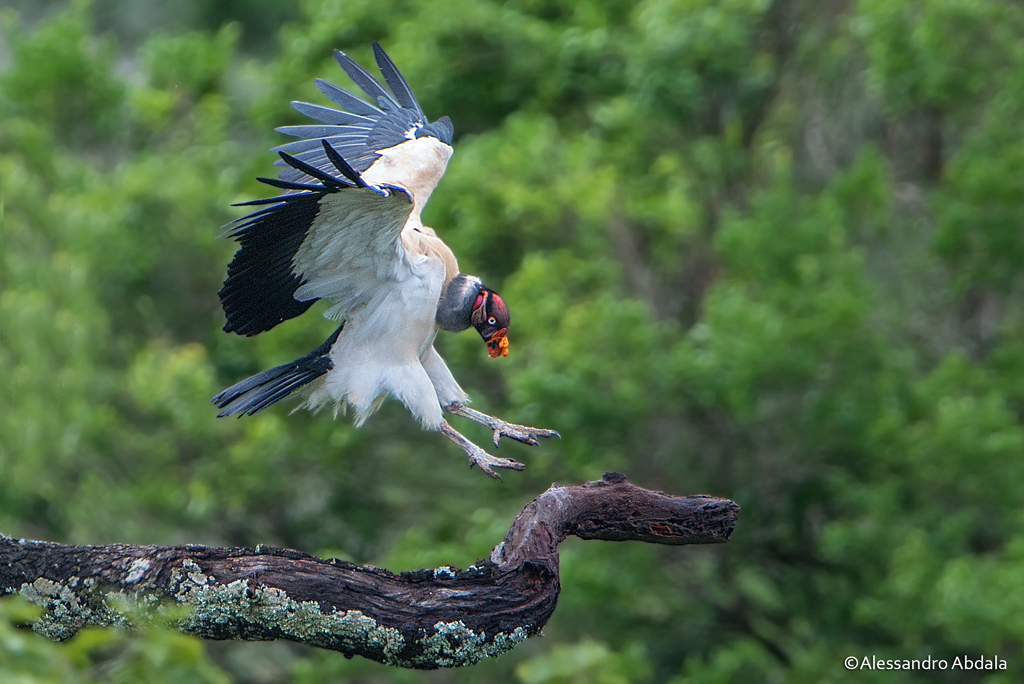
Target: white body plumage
x=386, y=291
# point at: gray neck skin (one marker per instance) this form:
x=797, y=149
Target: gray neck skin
x=456, y=304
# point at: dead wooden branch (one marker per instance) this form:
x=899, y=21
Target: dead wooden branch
x=425, y=619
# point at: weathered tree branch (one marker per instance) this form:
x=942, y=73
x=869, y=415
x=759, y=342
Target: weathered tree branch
x=425, y=619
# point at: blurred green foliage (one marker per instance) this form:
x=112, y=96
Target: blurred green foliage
x=769, y=250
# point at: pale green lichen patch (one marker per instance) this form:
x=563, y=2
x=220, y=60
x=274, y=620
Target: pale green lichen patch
x=233, y=605
x=230, y=605
x=66, y=612
x=453, y=645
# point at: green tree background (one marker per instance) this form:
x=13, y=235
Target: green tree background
x=769, y=250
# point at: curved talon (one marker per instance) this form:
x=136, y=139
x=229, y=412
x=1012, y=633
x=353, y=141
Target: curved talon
x=523, y=435
x=479, y=457
x=499, y=428
x=485, y=461
x=520, y=433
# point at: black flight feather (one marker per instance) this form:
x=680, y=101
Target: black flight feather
x=394, y=79
x=342, y=165
x=323, y=131
x=333, y=116
x=347, y=100
x=260, y=288
x=298, y=148
x=271, y=200
x=327, y=179
x=287, y=185
x=362, y=78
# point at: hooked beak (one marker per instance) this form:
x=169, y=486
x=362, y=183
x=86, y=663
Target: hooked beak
x=498, y=344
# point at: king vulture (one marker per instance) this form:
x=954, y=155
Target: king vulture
x=347, y=229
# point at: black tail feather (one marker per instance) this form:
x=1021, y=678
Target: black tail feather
x=254, y=394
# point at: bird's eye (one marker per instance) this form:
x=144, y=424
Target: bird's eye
x=491, y=321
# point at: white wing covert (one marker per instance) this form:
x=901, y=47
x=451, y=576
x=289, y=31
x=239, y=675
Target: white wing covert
x=337, y=238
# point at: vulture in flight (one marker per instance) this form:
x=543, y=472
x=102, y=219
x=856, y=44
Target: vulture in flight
x=347, y=229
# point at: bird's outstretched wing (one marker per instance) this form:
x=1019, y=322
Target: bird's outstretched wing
x=337, y=234
x=364, y=128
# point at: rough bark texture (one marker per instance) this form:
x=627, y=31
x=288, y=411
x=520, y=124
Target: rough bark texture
x=424, y=619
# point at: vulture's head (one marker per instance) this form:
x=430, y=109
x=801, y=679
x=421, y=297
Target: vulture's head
x=468, y=302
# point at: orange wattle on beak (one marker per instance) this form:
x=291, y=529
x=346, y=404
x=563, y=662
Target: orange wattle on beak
x=498, y=344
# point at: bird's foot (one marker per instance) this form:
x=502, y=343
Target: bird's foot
x=479, y=457
x=500, y=428
x=520, y=433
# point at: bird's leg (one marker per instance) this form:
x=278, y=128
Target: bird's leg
x=478, y=456
x=520, y=433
